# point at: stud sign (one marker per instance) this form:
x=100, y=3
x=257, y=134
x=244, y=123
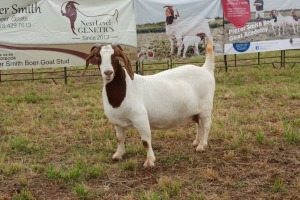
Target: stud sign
x=55, y=33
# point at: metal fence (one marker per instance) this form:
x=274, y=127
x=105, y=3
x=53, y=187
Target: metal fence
x=276, y=59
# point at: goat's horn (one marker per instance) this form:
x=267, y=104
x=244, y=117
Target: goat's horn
x=126, y=62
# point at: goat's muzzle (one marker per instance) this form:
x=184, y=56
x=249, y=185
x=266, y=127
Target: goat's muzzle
x=108, y=75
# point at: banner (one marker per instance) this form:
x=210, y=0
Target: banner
x=271, y=25
x=56, y=33
x=59, y=33
x=176, y=28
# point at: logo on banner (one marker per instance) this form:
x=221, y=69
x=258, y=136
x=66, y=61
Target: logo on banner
x=237, y=12
x=94, y=26
x=241, y=47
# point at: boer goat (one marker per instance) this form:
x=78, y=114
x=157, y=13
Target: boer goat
x=164, y=100
x=182, y=27
x=191, y=41
x=277, y=20
x=293, y=21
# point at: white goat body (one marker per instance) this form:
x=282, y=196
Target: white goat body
x=158, y=101
x=289, y=20
x=277, y=20
x=166, y=99
x=187, y=42
x=187, y=27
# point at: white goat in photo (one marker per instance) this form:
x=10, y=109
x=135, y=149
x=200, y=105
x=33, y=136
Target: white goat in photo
x=180, y=95
x=187, y=27
x=277, y=20
x=293, y=21
x=193, y=41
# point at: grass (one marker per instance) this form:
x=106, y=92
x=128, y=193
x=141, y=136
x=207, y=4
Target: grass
x=278, y=185
x=57, y=143
x=25, y=194
x=82, y=191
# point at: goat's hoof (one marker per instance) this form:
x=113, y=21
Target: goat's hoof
x=117, y=156
x=201, y=147
x=195, y=143
x=149, y=162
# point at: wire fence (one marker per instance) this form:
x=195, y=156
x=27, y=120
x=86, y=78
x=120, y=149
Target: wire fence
x=276, y=59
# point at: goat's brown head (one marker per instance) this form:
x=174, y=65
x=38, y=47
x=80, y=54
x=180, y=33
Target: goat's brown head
x=201, y=35
x=273, y=15
x=108, y=60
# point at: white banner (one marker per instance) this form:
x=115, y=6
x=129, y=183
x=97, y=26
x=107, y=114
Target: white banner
x=272, y=25
x=56, y=33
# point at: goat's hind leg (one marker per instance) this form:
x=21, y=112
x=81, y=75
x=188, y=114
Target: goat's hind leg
x=199, y=133
x=205, y=121
x=120, y=133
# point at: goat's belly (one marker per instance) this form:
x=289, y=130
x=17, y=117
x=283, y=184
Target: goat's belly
x=122, y=123
x=168, y=123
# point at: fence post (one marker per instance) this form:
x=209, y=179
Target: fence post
x=66, y=75
x=258, y=58
x=225, y=63
x=32, y=74
x=235, y=60
x=0, y=76
x=282, y=58
x=142, y=68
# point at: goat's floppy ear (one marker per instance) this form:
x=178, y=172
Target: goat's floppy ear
x=126, y=61
x=95, y=52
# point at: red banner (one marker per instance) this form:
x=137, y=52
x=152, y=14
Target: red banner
x=237, y=12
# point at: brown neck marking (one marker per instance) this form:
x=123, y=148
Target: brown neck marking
x=116, y=89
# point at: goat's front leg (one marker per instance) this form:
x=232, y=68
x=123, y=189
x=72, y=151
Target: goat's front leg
x=179, y=50
x=185, y=50
x=120, y=132
x=282, y=29
x=274, y=30
x=196, y=49
x=171, y=45
x=143, y=127
x=294, y=29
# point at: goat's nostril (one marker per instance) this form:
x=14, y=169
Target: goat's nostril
x=108, y=72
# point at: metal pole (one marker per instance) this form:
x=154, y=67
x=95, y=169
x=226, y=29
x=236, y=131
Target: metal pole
x=258, y=58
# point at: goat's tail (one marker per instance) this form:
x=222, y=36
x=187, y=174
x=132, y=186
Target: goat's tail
x=210, y=56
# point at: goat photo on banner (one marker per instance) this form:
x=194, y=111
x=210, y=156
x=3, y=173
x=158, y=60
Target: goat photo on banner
x=260, y=25
x=177, y=28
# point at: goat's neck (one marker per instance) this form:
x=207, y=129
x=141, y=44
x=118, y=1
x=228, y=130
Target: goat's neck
x=116, y=89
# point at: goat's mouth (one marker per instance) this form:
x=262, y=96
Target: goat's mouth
x=108, y=78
